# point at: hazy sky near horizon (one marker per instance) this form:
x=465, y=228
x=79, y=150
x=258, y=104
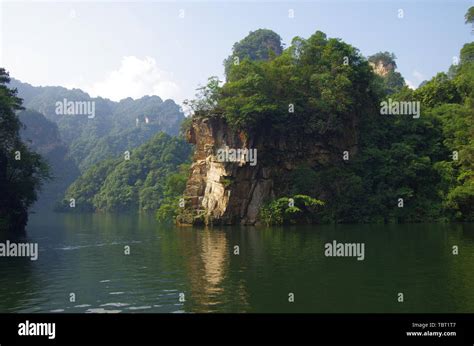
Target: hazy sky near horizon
x=135, y=48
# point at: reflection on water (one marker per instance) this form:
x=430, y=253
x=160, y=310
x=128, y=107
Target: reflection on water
x=209, y=267
x=214, y=258
x=84, y=255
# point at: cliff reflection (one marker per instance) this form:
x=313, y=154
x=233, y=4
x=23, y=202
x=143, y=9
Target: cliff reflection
x=214, y=256
x=208, y=256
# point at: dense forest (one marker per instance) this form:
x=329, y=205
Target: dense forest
x=136, y=181
x=408, y=167
x=22, y=171
x=73, y=143
x=44, y=152
x=42, y=136
x=115, y=127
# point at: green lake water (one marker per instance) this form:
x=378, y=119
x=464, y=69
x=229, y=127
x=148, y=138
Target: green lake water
x=84, y=255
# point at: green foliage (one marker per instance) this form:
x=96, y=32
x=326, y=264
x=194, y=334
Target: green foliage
x=260, y=44
x=206, y=98
x=283, y=211
x=461, y=199
x=140, y=183
x=414, y=160
x=73, y=143
x=386, y=58
x=20, y=176
x=470, y=15
x=42, y=136
x=311, y=76
x=440, y=89
x=185, y=126
x=467, y=53
x=458, y=175
x=397, y=156
x=392, y=81
x=173, y=192
x=114, y=128
x=84, y=189
x=303, y=179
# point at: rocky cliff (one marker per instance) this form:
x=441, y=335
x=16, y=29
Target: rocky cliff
x=224, y=192
x=382, y=68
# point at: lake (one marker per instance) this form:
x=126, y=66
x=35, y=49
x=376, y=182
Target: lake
x=85, y=255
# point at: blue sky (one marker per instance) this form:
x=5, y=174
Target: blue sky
x=132, y=48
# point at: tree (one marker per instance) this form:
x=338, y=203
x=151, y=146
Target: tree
x=22, y=171
x=387, y=59
x=171, y=206
x=384, y=65
x=426, y=162
x=206, y=98
x=470, y=15
x=312, y=76
x=299, y=209
x=138, y=184
x=116, y=127
x=467, y=53
x=258, y=45
x=440, y=89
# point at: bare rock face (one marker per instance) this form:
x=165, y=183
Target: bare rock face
x=382, y=69
x=229, y=192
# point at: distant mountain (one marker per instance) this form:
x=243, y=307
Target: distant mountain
x=42, y=136
x=96, y=128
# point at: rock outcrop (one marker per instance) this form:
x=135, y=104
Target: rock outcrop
x=233, y=192
x=382, y=68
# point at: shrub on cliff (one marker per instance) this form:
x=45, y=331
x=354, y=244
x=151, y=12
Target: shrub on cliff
x=299, y=209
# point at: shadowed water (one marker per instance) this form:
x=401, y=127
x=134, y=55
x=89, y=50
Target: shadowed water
x=84, y=255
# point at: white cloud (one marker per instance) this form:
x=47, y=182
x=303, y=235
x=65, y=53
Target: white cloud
x=418, y=77
x=410, y=84
x=135, y=78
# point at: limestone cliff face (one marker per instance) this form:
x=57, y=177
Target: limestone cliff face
x=381, y=68
x=234, y=192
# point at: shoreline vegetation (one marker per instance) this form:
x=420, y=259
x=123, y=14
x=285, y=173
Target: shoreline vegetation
x=385, y=153
x=413, y=158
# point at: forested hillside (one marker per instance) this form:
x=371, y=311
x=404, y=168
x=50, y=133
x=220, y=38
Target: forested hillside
x=341, y=131
x=333, y=125
x=114, y=126
x=22, y=171
x=71, y=143
x=129, y=184
x=42, y=136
